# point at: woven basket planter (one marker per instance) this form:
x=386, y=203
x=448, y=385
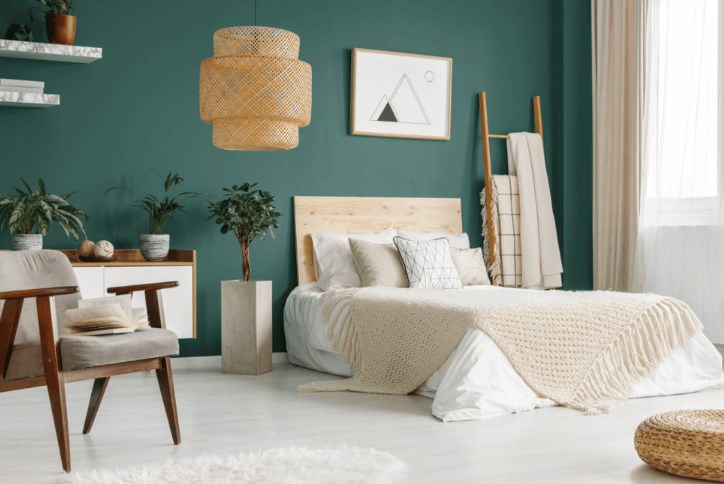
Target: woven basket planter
x=254, y=91
x=687, y=443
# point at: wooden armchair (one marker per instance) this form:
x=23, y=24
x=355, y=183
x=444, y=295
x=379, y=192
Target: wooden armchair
x=32, y=354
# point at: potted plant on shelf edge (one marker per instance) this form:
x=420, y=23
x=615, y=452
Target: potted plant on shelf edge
x=155, y=244
x=246, y=305
x=30, y=213
x=59, y=24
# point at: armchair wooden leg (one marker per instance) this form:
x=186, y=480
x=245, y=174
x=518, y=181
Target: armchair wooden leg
x=165, y=383
x=56, y=392
x=54, y=380
x=99, y=389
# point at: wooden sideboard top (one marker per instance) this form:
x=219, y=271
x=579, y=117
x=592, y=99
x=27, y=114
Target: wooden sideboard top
x=133, y=257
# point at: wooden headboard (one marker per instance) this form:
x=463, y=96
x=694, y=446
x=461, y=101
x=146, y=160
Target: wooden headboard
x=367, y=214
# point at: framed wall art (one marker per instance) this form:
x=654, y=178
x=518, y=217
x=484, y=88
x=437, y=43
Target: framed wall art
x=399, y=95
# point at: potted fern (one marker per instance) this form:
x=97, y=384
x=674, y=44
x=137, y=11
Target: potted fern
x=246, y=305
x=155, y=244
x=29, y=213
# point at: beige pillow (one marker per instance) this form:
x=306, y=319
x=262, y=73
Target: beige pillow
x=470, y=266
x=334, y=264
x=378, y=264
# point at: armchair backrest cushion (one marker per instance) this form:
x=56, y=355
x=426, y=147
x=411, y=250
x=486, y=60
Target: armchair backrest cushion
x=33, y=269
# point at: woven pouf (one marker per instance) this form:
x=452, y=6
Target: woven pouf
x=687, y=443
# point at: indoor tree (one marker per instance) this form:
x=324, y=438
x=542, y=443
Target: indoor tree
x=247, y=212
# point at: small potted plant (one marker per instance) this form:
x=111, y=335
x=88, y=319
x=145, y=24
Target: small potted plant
x=29, y=213
x=155, y=244
x=246, y=305
x=59, y=24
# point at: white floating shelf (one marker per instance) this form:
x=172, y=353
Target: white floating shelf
x=29, y=99
x=50, y=52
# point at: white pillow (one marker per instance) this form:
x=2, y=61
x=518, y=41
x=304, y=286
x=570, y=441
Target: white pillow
x=333, y=260
x=470, y=266
x=428, y=263
x=457, y=241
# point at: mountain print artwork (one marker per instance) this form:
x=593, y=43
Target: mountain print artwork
x=400, y=95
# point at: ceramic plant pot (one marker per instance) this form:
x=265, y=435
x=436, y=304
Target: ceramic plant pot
x=60, y=28
x=26, y=242
x=154, y=247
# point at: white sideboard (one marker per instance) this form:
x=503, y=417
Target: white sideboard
x=178, y=303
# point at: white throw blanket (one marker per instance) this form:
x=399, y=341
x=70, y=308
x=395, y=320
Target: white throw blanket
x=540, y=254
x=584, y=350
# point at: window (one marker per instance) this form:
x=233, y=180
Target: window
x=683, y=179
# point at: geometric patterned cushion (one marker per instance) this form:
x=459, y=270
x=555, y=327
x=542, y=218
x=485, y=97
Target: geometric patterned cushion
x=428, y=263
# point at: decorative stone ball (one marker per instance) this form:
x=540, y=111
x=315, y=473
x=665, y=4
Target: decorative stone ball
x=103, y=249
x=86, y=248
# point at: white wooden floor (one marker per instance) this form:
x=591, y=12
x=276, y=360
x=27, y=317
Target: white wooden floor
x=224, y=414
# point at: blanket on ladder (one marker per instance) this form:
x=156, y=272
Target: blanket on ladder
x=504, y=263
x=541, y=265
x=584, y=350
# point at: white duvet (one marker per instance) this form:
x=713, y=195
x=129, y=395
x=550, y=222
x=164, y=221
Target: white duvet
x=477, y=381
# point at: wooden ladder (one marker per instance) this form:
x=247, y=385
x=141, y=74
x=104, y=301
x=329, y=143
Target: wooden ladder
x=487, y=165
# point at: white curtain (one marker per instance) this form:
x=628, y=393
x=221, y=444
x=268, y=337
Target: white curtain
x=680, y=249
x=618, y=36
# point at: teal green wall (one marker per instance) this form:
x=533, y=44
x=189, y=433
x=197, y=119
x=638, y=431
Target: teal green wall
x=573, y=139
x=137, y=110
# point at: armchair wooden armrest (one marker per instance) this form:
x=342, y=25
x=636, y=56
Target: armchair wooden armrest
x=40, y=292
x=153, y=307
x=152, y=286
x=10, y=317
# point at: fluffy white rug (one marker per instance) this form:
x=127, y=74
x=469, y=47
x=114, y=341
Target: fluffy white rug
x=296, y=465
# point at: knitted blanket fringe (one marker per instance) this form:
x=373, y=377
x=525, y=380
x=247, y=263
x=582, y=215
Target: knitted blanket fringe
x=492, y=261
x=633, y=355
x=637, y=347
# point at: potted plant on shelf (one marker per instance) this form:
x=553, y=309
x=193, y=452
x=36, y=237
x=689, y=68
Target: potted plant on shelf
x=29, y=213
x=59, y=24
x=155, y=244
x=246, y=305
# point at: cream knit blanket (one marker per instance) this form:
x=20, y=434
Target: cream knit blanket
x=585, y=350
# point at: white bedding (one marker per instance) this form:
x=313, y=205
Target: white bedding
x=477, y=381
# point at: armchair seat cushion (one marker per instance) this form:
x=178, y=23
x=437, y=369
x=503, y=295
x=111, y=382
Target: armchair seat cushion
x=78, y=352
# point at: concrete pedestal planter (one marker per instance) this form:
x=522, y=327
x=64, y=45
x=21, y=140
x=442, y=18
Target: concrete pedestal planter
x=154, y=247
x=246, y=327
x=26, y=242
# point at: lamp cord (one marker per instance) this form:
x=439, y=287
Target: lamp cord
x=254, y=13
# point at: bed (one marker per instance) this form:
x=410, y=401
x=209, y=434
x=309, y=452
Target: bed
x=477, y=380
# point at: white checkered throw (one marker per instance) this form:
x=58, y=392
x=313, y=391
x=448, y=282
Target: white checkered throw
x=506, y=269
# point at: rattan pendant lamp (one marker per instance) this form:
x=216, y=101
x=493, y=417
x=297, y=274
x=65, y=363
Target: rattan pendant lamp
x=254, y=91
